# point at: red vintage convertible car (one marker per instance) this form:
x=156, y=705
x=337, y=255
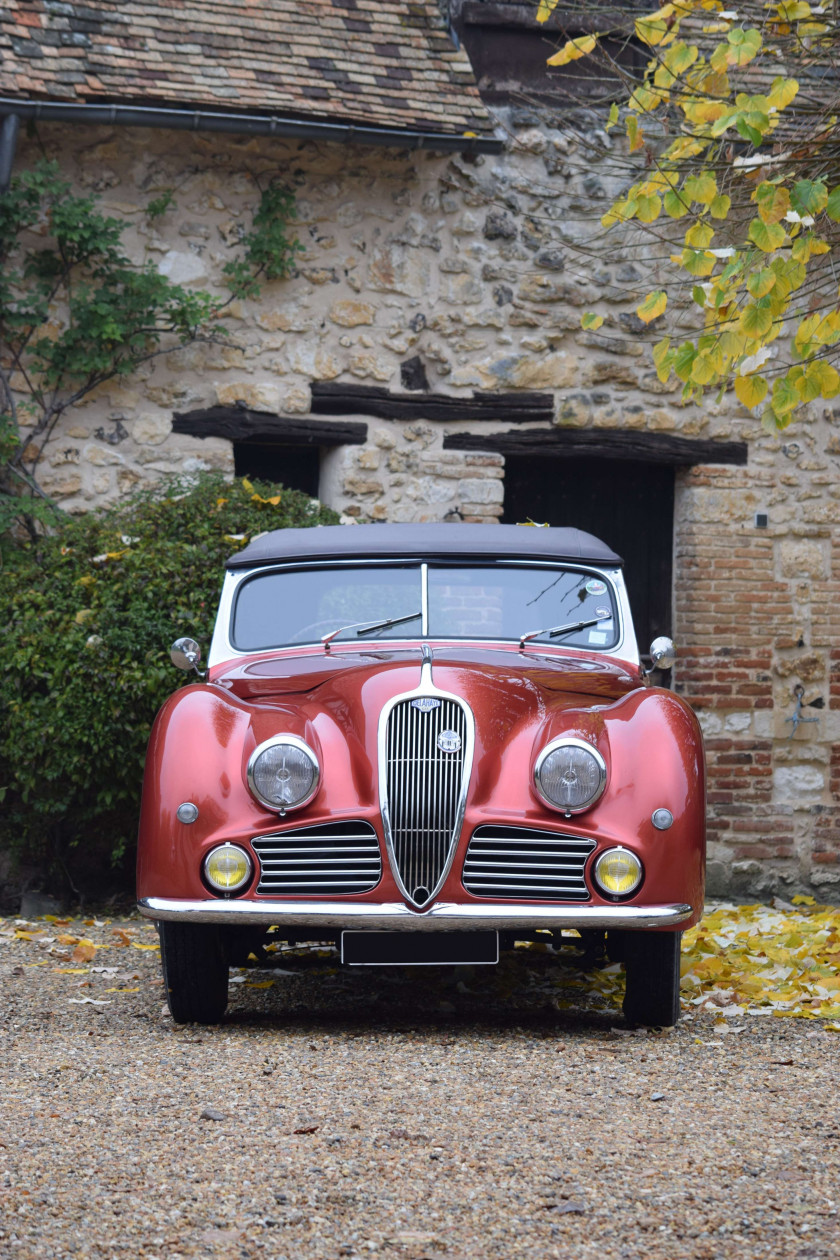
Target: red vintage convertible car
x=424, y=742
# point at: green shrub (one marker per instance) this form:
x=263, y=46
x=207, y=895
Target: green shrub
x=89, y=613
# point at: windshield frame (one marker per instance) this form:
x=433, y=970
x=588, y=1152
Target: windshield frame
x=224, y=648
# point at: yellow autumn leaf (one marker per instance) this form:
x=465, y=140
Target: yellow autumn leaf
x=648, y=208
x=782, y=93
x=142, y=945
x=573, y=49
x=825, y=377
x=634, y=133
x=750, y=390
x=684, y=147
x=653, y=29
x=652, y=306
x=793, y=10
x=546, y=9
x=590, y=322
x=699, y=235
x=701, y=188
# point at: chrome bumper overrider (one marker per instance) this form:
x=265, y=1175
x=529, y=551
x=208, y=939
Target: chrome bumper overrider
x=394, y=916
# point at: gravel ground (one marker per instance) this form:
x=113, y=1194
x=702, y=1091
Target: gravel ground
x=469, y=1113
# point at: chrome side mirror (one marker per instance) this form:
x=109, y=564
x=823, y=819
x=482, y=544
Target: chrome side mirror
x=662, y=654
x=186, y=654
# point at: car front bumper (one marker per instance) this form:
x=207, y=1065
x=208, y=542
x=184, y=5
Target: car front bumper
x=395, y=916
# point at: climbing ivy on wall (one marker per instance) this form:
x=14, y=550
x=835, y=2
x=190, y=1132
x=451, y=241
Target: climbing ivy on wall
x=76, y=312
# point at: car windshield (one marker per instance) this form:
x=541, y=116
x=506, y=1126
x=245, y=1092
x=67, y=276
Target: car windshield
x=280, y=608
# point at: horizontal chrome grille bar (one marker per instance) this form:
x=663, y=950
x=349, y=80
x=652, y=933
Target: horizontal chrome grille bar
x=533, y=838
x=395, y=916
x=340, y=858
x=521, y=862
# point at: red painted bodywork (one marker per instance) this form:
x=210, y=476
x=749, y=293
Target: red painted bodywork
x=205, y=733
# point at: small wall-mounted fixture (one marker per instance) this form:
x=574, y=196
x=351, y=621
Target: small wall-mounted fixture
x=797, y=719
x=761, y=520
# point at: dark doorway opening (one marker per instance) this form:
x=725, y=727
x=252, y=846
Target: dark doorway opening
x=627, y=504
x=295, y=467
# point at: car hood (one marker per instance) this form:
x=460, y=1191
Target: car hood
x=466, y=670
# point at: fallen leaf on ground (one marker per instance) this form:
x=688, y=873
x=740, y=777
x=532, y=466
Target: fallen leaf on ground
x=765, y=961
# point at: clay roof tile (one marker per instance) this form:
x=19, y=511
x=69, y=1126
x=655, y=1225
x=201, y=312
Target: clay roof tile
x=377, y=62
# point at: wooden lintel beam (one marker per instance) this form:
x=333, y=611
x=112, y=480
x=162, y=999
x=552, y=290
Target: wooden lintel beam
x=238, y=424
x=626, y=444
x=330, y=399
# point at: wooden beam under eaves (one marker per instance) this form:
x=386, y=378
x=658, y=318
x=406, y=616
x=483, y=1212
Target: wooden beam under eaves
x=238, y=424
x=335, y=399
x=627, y=444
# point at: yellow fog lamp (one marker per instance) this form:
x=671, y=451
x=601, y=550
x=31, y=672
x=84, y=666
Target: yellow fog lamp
x=228, y=868
x=618, y=872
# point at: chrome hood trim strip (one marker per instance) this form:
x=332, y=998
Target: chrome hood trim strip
x=394, y=916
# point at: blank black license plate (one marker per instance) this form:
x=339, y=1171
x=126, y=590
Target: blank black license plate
x=418, y=949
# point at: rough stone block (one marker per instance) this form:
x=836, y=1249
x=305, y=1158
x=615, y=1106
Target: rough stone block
x=348, y=314
x=296, y=402
x=798, y=781
x=800, y=557
x=481, y=490
x=255, y=395
x=150, y=428
x=181, y=268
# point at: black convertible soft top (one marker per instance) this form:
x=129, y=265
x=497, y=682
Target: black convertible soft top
x=424, y=542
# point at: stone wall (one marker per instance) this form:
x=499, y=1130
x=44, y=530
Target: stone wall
x=475, y=272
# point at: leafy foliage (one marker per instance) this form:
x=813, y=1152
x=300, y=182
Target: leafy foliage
x=730, y=141
x=75, y=312
x=89, y=613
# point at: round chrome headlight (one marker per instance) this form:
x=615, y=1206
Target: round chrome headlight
x=283, y=773
x=618, y=872
x=570, y=775
x=227, y=868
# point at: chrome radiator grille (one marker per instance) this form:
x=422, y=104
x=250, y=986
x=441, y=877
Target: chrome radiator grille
x=522, y=863
x=425, y=754
x=341, y=857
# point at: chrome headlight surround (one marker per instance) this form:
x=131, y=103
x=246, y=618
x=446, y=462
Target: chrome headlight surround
x=633, y=870
x=293, y=741
x=228, y=850
x=567, y=741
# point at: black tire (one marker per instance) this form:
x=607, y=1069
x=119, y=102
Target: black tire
x=195, y=972
x=652, y=967
x=617, y=946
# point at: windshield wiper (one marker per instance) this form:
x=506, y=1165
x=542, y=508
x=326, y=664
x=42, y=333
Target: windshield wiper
x=554, y=632
x=367, y=627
